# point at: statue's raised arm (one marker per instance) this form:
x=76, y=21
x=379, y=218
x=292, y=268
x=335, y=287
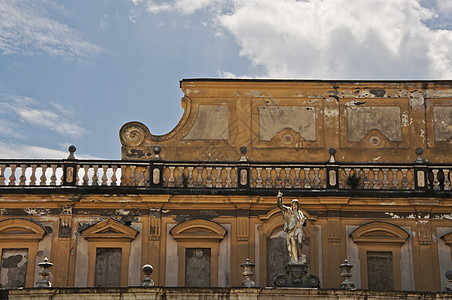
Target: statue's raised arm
x=279, y=201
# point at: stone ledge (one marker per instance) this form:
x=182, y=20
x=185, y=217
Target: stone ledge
x=168, y=293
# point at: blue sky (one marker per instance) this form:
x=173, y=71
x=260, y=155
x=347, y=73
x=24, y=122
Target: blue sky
x=73, y=72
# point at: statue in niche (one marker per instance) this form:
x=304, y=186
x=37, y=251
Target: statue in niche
x=297, y=269
x=294, y=221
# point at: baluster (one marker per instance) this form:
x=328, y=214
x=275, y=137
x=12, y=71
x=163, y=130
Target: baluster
x=190, y=177
x=12, y=178
x=395, y=181
x=376, y=182
x=180, y=179
x=114, y=179
x=2, y=174
x=259, y=178
x=316, y=178
x=123, y=175
x=307, y=180
x=171, y=177
x=199, y=179
x=43, y=178
x=218, y=181
x=33, y=175
x=22, y=177
x=228, y=177
x=287, y=184
x=104, y=175
x=435, y=180
x=278, y=180
x=53, y=175
x=446, y=180
x=347, y=175
x=385, y=179
x=297, y=179
x=96, y=178
x=358, y=174
x=366, y=180
x=209, y=179
x=404, y=179
x=85, y=175
x=268, y=180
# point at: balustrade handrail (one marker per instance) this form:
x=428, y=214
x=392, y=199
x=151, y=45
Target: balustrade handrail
x=225, y=174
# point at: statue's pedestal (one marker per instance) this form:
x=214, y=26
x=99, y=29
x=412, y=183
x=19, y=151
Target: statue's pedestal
x=297, y=276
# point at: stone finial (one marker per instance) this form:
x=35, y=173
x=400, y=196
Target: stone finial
x=147, y=270
x=243, y=151
x=419, y=152
x=72, y=150
x=157, y=150
x=346, y=273
x=248, y=273
x=449, y=277
x=44, y=274
x=332, y=152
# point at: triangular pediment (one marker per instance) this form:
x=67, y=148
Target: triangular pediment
x=109, y=229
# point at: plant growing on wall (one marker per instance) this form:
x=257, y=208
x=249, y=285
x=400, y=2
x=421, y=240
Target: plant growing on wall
x=354, y=181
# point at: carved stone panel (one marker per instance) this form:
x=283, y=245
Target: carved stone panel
x=442, y=120
x=197, y=267
x=13, y=271
x=273, y=119
x=380, y=271
x=211, y=123
x=108, y=267
x=361, y=120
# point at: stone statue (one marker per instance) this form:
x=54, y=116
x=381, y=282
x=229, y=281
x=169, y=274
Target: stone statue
x=294, y=220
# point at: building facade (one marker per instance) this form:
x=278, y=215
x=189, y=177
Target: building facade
x=369, y=162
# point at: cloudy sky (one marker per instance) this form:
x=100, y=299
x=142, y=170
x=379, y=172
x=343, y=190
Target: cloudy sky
x=73, y=72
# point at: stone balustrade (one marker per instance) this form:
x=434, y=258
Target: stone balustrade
x=224, y=175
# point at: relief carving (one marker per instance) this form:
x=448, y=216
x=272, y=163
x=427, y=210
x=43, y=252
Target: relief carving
x=211, y=123
x=442, y=120
x=361, y=120
x=274, y=119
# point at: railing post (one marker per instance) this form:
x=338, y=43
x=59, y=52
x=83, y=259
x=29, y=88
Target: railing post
x=243, y=170
x=70, y=168
x=156, y=169
x=332, y=171
x=420, y=172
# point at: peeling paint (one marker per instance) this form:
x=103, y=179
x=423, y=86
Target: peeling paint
x=122, y=212
x=37, y=211
x=393, y=215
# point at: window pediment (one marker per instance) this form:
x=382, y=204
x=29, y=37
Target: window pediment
x=109, y=229
x=198, y=229
x=379, y=232
x=20, y=229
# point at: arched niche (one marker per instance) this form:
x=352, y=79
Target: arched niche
x=379, y=250
x=19, y=240
x=273, y=228
x=198, y=244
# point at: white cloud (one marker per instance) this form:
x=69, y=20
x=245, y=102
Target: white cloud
x=336, y=39
x=445, y=6
x=58, y=119
x=365, y=39
x=185, y=7
x=21, y=151
x=26, y=29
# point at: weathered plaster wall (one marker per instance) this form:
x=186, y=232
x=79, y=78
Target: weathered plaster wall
x=300, y=120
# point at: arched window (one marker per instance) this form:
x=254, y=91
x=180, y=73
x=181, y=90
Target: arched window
x=198, y=244
x=19, y=240
x=379, y=245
